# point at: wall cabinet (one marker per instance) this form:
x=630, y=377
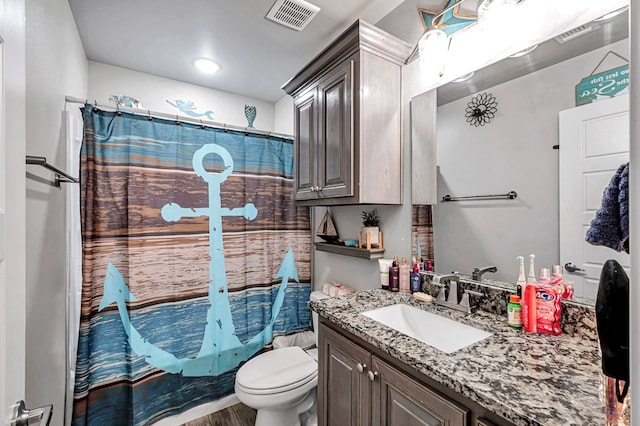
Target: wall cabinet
x=347, y=120
x=357, y=386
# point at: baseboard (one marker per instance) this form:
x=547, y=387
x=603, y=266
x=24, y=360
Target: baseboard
x=200, y=411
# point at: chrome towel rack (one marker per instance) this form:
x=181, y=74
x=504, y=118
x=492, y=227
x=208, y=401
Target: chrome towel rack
x=511, y=195
x=61, y=177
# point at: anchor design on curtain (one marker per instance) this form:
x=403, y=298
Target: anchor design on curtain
x=221, y=350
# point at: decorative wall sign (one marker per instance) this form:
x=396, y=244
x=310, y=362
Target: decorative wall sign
x=250, y=112
x=189, y=108
x=481, y=109
x=605, y=84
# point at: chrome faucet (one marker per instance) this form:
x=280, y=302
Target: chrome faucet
x=478, y=271
x=451, y=300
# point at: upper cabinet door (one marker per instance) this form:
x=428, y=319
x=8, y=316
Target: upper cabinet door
x=305, y=123
x=335, y=159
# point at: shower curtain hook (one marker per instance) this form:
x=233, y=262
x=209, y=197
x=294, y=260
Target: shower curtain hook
x=118, y=113
x=202, y=126
x=177, y=121
x=149, y=115
x=225, y=127
x=246, y=132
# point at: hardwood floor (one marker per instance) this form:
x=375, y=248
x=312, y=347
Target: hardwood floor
x=236, y=415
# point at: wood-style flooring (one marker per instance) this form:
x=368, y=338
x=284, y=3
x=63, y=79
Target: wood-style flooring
x=236, y=415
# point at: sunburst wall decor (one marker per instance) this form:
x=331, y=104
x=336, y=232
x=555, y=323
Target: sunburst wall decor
x=481, y=109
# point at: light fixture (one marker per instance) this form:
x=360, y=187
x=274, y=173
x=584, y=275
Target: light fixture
x=436, y=42
x=206, y=65
x=524, y=51
x=612, y=14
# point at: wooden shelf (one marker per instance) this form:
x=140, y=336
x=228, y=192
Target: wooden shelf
x=362, y=253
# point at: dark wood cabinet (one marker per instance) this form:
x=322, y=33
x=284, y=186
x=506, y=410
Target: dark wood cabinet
x=343, y=385
x=357, y=386
x=403, y=401
x=347, y=120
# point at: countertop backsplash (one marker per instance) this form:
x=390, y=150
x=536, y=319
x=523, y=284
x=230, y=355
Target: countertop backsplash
x=578, y=320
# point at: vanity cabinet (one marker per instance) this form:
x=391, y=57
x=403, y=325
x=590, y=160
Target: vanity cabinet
x=348, y=119
x=359, y=386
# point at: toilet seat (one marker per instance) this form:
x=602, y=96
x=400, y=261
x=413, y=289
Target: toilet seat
x=277, y=371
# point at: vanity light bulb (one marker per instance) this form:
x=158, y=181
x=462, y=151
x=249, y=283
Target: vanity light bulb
x=434, y=48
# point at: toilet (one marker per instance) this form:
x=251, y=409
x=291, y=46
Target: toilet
x=281, y=384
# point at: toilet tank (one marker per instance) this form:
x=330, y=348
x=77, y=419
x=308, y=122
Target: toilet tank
x=316, y=295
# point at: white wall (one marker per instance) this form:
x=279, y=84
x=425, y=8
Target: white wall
x=56, y=66
x=12, y=151
x=153, y=92
x=512, y=152
x=283, y=116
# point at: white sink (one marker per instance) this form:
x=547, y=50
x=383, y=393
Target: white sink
x=442, y=333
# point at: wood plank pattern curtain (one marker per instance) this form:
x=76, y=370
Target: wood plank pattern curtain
x=194, y=257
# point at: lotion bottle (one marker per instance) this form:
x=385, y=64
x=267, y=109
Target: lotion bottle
x=394, y=275
x=405, y=276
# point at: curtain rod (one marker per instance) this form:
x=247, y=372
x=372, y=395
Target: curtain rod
x=176, y=117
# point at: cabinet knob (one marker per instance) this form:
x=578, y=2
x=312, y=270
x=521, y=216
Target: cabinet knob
x=372, y=375
x=361, y=367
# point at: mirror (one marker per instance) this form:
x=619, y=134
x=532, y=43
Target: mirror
x=514, y=151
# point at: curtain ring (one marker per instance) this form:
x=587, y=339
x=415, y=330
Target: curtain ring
x=225, y=127
x=118, y=112
x=177, y=121
x=268, y=134
x=246, y=132
x=202, y=126
x=149, y=115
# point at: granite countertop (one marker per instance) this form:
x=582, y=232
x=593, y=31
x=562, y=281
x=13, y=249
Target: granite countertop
x=529, y=379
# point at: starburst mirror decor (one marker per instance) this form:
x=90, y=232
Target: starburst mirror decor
x=481, y=109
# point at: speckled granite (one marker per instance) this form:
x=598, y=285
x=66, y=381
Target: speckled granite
x=578, y=318
x=529, y=379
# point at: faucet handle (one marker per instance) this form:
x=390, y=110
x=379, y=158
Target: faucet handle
x=465, y=303
x=453, y=292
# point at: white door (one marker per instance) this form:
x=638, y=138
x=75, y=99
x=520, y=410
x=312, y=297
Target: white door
x=594, y=142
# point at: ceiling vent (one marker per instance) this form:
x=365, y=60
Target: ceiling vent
x=577, y=32
x=294, y=14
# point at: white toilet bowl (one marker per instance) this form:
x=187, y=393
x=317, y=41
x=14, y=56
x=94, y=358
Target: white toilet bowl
x=281, y=384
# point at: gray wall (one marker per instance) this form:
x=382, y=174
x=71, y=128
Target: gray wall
x=56, y=66
x=512, y=152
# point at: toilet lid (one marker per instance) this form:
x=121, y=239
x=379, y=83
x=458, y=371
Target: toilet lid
x=277, y=370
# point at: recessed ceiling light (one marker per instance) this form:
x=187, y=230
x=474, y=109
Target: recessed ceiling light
x=206, y=65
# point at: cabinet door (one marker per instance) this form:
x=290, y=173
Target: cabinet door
x=305, y=147
x=344, y=391
x=336, y=161
x=403, y=401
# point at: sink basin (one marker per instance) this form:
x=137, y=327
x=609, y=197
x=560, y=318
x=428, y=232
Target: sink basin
x=442, y=333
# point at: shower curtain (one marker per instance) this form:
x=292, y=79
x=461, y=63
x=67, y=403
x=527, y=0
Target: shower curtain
x=194, y=257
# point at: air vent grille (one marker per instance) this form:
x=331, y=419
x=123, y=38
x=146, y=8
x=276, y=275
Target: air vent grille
x=294, y=14
x=577, y=32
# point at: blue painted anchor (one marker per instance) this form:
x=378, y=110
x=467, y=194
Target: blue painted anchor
x=221, y=350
